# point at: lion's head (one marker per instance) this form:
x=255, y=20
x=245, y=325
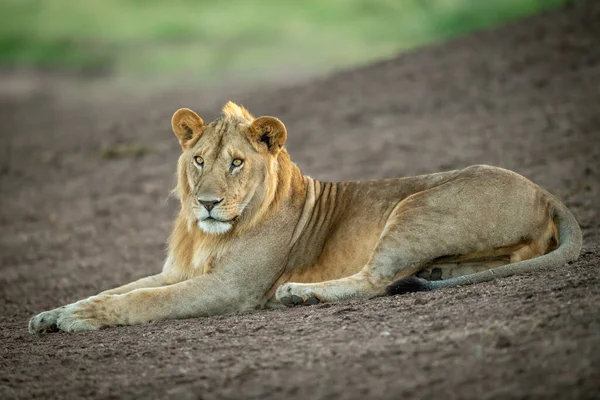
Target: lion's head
x=226, y=170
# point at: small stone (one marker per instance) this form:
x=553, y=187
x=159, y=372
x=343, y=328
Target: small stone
x=384, y=334
x=420, y=300
x=502, y=341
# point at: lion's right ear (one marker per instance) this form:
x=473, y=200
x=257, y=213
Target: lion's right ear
x=187, y=126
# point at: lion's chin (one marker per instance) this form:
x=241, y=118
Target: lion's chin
x=214, y=227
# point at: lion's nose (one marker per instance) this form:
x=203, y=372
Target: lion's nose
x=209, y=204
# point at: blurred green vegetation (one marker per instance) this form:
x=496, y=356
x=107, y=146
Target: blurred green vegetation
x=248, y=38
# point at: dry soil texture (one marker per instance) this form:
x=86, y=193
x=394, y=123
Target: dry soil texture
x=84, y=182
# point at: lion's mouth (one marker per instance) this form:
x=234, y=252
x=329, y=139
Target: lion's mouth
x=226, y=221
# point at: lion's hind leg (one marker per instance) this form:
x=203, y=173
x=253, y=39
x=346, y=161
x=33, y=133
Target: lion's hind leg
x=457, y=221
x=463, y=269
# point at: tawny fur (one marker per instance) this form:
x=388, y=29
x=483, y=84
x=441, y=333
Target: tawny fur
x=275, y=237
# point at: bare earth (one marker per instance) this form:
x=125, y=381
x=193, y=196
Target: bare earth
x=84, y=183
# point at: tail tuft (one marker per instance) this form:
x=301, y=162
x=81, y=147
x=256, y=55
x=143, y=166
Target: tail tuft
x=407, y=285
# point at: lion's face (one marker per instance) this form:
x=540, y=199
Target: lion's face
x=223, y=172
x=225, y=166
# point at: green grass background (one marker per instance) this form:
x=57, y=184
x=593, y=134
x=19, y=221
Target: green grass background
x=213, y=40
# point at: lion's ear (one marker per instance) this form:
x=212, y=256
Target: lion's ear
x=187, y=126
x=270, y=132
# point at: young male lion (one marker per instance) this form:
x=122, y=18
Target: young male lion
x=254, y=232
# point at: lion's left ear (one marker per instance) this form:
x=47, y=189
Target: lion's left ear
x=270, y=132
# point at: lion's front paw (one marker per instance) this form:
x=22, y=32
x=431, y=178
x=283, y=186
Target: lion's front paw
x=86, y=315
x=292, y=294
x=45, y=322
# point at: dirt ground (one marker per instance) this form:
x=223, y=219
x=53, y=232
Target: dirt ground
x=84, y=184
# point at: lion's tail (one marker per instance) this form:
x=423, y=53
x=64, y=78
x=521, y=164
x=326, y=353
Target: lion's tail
x=570, y=242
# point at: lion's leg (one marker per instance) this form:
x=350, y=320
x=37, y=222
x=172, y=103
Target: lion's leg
x=46, y=321
x=147, y=282
x=201, y=296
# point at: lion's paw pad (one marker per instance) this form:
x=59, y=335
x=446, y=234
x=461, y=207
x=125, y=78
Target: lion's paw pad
x=298, y=301
x=45, y=321
x=287, y=297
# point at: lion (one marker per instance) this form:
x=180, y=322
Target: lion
x=254, y=232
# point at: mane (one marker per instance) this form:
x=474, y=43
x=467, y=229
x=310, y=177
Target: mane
x=236, y=113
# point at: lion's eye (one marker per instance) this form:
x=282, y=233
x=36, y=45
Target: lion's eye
x=237, y=162
x=199, y=161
